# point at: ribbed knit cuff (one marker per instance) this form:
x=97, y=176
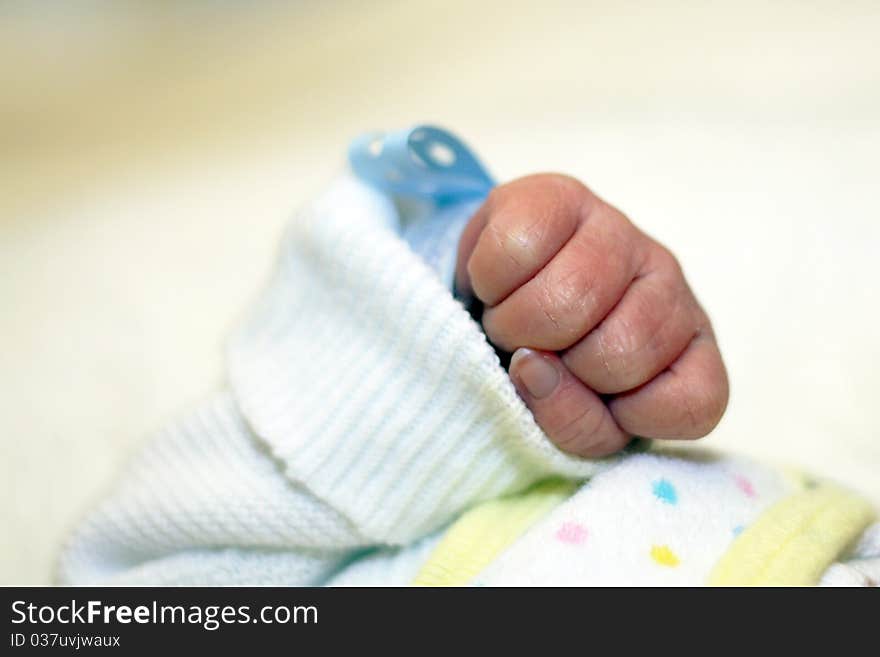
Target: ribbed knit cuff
x=374, y=386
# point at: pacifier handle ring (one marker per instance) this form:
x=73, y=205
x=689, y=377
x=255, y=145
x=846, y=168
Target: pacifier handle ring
x=423, y=161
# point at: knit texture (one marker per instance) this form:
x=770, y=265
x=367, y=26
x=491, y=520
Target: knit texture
x=205, y=503
x=373, y=386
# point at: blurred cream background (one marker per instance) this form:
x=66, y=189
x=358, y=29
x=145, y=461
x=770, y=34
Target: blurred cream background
x=150, y=153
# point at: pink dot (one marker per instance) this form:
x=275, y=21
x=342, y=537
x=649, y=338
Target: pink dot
x=571, y=532
x=744, y=485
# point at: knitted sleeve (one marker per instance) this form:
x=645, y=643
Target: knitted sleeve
x=365, y=408
x=373, y=386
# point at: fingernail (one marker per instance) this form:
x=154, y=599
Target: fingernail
x=537, y=373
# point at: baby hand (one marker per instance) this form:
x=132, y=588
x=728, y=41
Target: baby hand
x=608, y=340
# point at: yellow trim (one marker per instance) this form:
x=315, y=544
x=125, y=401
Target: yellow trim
x=480, y=535
x=795, y=540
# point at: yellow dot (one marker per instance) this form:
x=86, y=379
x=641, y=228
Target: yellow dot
x=664, y=556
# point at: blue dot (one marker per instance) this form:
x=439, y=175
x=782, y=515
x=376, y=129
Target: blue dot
x=665, y=491
x=738, y=530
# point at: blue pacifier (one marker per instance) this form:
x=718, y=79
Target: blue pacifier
x=424, y=162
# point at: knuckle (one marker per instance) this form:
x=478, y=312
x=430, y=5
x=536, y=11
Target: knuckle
x=654, y=323
x=631, y=332
x=667, y=261
x=513, y=242
x=532, y=207
x=704, y=406
x=568, y=293
x=567, y=186
x=562, y=193
x=558, y=316
x=496, y=197
x=626, y=351
x=616, y=349
x=720, y=394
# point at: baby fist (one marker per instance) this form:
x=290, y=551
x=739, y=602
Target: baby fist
x=608, y=340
